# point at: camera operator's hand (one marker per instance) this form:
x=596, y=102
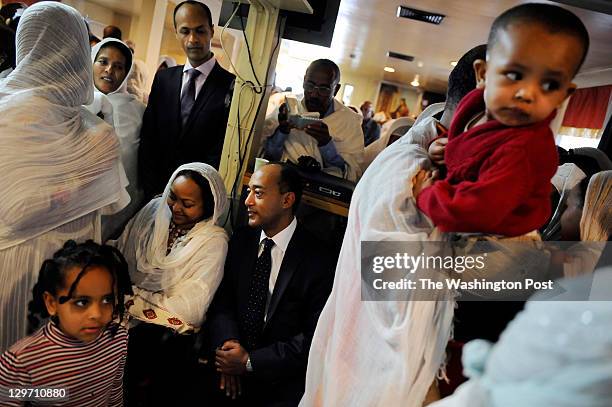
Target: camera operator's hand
x=283, y=116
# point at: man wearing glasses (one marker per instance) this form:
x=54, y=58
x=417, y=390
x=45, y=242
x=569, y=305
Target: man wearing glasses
x=336, y=141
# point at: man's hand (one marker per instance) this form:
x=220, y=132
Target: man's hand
x=231, y=358
x=436, y=150
x=231, y=385
x=422, y=180
x=283, y=117
x=319, y=131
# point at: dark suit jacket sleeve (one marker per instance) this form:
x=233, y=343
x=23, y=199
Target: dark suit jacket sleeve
x=222, y=313
x=147, y=151
x=284, y=358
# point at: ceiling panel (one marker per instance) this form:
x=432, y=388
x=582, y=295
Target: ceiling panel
x=367, y=29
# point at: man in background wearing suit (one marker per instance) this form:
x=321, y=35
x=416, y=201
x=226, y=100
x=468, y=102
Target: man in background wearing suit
x=277, y=279
x=186, y=117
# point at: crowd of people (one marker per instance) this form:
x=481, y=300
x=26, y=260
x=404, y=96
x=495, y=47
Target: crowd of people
x=121, y=283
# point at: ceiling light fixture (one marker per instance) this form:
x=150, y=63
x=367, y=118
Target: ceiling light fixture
x=420, y=64
x=403, y=57
x=419, y=15
x=453, y=63
x=415, y=81
x=388, y=69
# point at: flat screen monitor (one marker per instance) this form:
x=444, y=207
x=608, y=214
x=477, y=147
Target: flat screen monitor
x=316, y=28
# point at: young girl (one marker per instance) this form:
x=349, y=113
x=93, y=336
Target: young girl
x=80, y=350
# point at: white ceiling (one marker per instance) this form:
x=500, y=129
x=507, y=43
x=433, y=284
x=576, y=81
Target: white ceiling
x=367, y=29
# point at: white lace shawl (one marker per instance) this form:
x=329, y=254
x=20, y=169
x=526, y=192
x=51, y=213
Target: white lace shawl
x=58, y=161
x=185, y=280
x=380, y=353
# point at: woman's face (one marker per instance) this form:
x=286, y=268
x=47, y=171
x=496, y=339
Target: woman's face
x=570, y=219
x=109, y=69
x=185, y=201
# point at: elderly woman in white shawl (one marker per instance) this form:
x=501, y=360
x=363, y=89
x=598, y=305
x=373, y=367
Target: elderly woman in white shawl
x=112, y=64
x=175, y=248
x=555, y=353
x=59, y=163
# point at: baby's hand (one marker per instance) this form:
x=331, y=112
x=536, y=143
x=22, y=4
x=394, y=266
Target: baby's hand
x=436, y=150
x=422, y=180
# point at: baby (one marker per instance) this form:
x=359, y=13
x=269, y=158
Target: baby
x=501, y=153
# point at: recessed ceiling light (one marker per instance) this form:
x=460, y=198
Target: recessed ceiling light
x=420, y=64
x=415, y=81
x=388, y=69
x=453, y=63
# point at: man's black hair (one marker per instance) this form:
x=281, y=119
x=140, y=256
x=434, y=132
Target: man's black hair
x=111, y=31
x=555, y=19
x=327, y=64
x=7, y=13
x=462, y=78
x=289, y=180
x=7, y=47
x=195, y=3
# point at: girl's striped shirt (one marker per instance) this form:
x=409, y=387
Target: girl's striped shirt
x=92, y=373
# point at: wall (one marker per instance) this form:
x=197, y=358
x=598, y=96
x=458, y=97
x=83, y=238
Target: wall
x=365, y=88
x=102, y=15
x=594, y=78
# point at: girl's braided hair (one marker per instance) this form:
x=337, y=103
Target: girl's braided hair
x=85, y=255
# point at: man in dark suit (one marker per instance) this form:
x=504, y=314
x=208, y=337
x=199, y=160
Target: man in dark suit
x=277, y=279
x=186, y=117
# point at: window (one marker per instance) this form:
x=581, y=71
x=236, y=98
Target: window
x=346, y=95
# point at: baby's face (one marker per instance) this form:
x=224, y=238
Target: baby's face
x=528, y=73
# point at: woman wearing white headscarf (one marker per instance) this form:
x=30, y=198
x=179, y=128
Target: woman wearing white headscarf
x=176, y=264
x=596, y=219
x=368, y=352
x=175, y=248
x=59, y=163
x=588, y=219
x=555, y=353
x=112, y=63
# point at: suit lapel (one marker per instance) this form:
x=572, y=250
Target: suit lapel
x=207, y=90
x=287, y=269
